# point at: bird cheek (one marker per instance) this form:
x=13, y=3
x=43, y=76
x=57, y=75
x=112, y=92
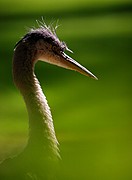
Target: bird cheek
x=40, y=53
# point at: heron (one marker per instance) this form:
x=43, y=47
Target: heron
x=40, y=157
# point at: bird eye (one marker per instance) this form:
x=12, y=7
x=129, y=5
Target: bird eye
x=54, y=48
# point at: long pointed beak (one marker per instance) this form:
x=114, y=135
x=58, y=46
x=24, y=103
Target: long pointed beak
x=69, y=63
x=63, y=60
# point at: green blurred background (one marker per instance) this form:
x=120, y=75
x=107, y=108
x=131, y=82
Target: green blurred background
x=92, y=118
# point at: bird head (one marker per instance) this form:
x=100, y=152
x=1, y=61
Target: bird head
x=51, y=50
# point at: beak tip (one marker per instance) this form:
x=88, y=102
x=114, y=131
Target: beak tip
x=94, y=77
x=91, y=75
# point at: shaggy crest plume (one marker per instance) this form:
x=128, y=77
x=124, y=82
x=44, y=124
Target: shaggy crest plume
x=46, y=32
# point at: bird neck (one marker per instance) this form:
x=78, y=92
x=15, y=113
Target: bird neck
x=41, y=129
